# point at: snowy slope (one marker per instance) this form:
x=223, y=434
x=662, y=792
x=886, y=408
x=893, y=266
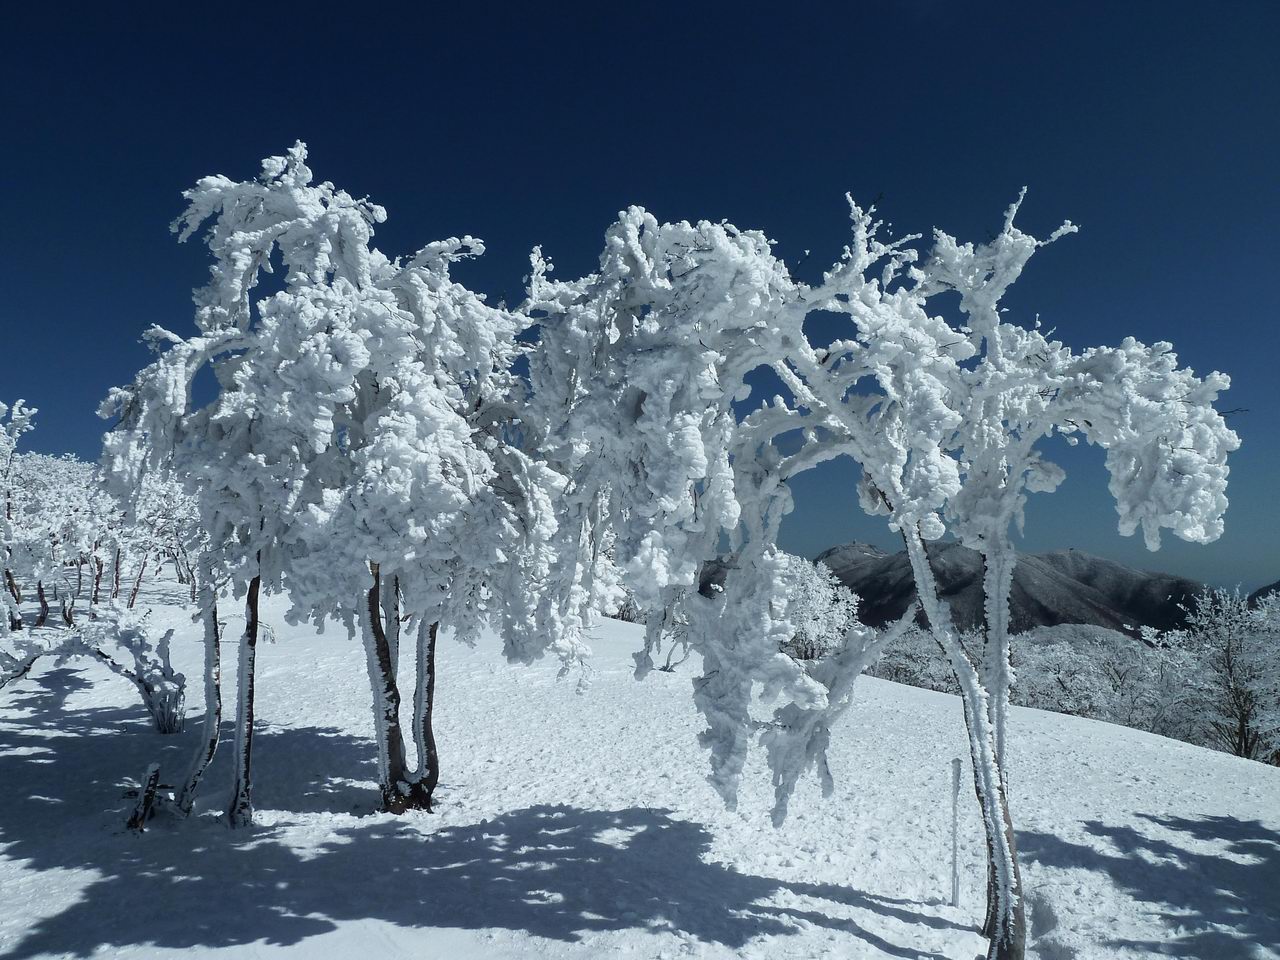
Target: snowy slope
x=580, y=825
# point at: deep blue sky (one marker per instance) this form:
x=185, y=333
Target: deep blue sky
x=1153, y=126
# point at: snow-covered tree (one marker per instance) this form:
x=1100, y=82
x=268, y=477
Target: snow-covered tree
x=1166, y=444
x=951, y=436
x=820, y=607
x=163, y=527
x=364, y=453
x=17, y=423
x=1234, y=653
x=59, y=515
x=639, y=368
x=646, y=356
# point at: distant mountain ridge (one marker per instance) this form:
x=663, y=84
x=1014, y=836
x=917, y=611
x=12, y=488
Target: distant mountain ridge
x=1062, y=586
x=1264, y=592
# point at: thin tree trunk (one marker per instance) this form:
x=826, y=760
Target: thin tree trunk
x=240, y=813
x=424, y=698
x=44, y=604
x=12, y=584
x=19, y=671
x=212, y=704
x=97, y=579
x=137, y=583
x=393, y=781
x=1005, y=919
x=998, y=560
x=115, y=577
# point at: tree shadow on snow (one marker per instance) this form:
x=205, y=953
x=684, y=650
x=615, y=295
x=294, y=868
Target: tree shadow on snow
x=557, y=872
x=1216, y=903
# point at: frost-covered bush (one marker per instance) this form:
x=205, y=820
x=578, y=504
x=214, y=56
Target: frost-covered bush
x=916, y=660
x=60, y=518
x=121, y=639
x=1156, y=684
x=1075, y=677
x=126, y=642
x=20, y=649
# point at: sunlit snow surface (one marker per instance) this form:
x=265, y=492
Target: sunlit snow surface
x=579, y=824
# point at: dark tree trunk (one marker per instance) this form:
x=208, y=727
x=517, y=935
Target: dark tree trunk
x=20, y=672
x=115, y=576
x=399, y=792
x=12, y=584
x=44, y=604
x=98, y=566
x=240, y=813
x=424, y=699
x=212, y=707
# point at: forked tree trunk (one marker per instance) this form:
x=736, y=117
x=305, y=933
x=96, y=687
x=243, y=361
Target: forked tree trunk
x=212, y=705
x=424, y=699
x=1005, y=917
x=240, y=813
x=396, y=787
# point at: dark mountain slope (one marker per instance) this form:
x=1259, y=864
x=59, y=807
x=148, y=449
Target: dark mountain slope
x=1064, y=586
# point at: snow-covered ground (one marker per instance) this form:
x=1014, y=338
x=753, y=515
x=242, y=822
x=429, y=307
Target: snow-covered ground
x=579, y=824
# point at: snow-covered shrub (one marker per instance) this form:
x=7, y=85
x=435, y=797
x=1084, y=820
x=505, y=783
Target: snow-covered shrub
x=1064, y=677
x=126, y=642
x=121, y=639
x=162, y=526
x=916, y=660
x=20, y=649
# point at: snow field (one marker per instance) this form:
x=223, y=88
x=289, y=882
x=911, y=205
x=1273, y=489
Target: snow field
x=580, y=824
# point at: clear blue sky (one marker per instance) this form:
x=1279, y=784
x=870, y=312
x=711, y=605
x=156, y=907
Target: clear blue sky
x=1153, y=126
